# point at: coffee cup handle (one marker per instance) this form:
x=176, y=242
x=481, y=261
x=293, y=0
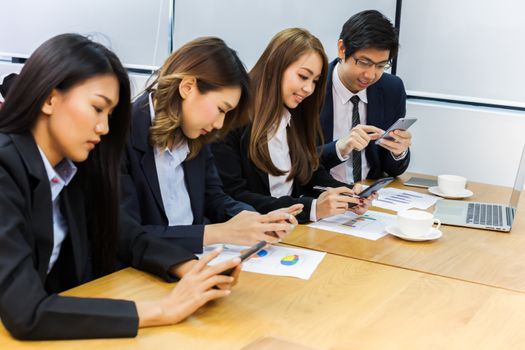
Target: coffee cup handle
x=436, y=221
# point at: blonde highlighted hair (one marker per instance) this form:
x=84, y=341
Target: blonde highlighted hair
x=214, y=66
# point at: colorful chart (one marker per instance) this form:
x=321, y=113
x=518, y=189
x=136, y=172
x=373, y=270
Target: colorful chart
x=353, y=222
x=261, y=253
x=290, y=260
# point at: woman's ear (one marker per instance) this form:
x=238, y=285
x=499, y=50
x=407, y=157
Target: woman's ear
x=187, y=86
x=50, y=103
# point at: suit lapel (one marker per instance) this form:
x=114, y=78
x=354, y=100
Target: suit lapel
x=193, y=177
x=327, y=113
x=41, y=208
x=74, y=212
x=245, y=142
x=141, y=122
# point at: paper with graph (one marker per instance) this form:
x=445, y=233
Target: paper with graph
x=397, y=199
x=371, y=225
x=273, y=260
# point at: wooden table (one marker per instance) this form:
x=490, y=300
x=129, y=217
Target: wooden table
x=347, y=304
x=486, y=257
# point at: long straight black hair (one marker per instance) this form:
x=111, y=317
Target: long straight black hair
x=62, y=63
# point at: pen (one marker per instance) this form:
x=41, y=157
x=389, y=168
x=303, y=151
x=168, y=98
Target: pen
x=323, y=188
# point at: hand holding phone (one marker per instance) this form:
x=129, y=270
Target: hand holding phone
x=400, y=124
x=367, y=192
x=376, y=186
x=246, y=255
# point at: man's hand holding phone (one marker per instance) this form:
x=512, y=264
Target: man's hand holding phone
x=397, y=139
x=400, y=142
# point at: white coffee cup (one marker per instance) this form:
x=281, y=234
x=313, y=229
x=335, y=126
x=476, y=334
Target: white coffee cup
x=416, y=223
x=451, y=184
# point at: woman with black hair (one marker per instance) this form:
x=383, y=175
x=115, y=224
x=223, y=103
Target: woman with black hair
x=62, y=133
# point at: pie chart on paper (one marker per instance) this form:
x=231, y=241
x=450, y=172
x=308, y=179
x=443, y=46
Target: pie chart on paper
x=290, y=260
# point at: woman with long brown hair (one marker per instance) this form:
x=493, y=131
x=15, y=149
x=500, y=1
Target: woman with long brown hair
x=273, y=161
x=169, y=179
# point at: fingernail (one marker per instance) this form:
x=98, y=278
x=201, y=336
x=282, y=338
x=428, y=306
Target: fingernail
x=237, y=260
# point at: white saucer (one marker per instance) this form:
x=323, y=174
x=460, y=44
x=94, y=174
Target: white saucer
x=430, y=236
x=463, y=194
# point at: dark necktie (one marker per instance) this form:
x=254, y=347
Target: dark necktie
x=356, y=155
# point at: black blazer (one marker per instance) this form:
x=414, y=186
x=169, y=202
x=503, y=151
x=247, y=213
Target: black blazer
x=386, y=104
x=245, y=182
x=29, y=309
x=141, y=195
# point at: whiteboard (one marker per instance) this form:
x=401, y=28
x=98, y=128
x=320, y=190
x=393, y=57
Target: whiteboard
x=248, y=25
x=137, y=30
x=471, y=50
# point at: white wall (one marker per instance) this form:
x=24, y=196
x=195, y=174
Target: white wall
x=468, y=50
x=138, y=81
x=483, y=144
x=248, y=25
x=137, y=30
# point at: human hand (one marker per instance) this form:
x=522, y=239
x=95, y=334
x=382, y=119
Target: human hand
x=358, y=139
x=402, y=141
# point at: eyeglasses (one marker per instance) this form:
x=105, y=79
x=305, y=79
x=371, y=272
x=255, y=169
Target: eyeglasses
x=367, y=64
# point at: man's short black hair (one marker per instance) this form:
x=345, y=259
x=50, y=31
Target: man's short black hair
x=369, y=29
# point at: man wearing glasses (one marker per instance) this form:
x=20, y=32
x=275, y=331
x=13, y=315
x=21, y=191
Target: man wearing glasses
x=362, y=101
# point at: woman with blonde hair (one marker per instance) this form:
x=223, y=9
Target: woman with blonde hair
x=169, y=180
x=273, y=161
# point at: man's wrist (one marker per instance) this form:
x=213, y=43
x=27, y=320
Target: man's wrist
x=400, y=156
x=342, y=152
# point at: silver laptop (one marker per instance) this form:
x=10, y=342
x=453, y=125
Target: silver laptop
x=488, y=216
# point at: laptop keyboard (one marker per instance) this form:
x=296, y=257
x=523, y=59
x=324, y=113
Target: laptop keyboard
x=486, y=214
x=510, y=215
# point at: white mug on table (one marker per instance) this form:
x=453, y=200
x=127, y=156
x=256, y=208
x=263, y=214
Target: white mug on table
x=451, y=184
x=416, y=223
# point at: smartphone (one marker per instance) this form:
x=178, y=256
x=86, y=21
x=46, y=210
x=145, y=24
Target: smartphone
x=421, y=182
x=367, y=192
x=247, y=254
x=400, y=124
x=376, y=186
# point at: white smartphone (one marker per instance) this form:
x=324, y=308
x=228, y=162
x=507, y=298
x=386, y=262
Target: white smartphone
x=400, y=124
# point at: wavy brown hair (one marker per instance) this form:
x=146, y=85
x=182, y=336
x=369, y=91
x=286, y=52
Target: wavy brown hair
x=214, y=66
x=284, y=49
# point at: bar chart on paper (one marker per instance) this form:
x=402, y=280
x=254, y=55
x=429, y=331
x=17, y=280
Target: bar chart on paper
x=397, y=200
x=369, y=226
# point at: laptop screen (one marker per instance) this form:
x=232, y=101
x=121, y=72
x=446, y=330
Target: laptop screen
x=518, y=184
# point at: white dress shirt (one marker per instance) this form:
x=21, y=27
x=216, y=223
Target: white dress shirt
x=58, y=177
x=170, y=174
x=343, y=108
x=280, y=156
